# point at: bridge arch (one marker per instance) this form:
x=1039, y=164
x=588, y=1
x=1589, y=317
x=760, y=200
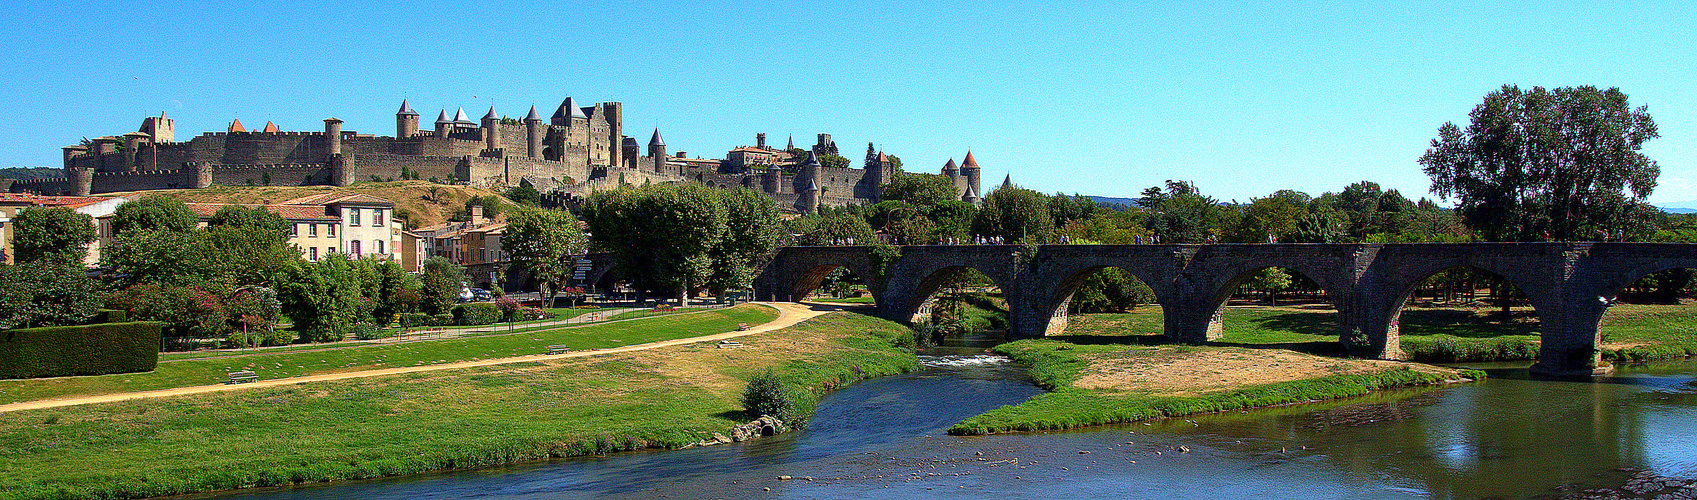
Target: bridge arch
x=1060, y=270
x=1217, y=271
x=797, y=271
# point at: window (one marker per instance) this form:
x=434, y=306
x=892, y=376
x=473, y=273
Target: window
x=353, y=217
x=294, y=230
x=353, y=248
x=312, y=230
x=377, y=245
x=312, y=253
x=332, y=229
x=377, y=217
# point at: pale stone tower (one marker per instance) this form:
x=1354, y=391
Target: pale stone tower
x=341, y=170
x=160, y=128
x=442, y=124
x=406, y=121
x=810, y=198
x=875, y=173
x=969, y=174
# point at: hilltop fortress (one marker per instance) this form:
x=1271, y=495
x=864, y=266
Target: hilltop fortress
x=576, y=151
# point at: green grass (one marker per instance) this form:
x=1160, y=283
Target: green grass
x=1056, y=365
x=649, y=313
x=559, y=315
x=419, y=422
x=270, y=365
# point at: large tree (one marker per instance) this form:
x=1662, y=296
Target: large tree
x=256, y=217
x=57, y=234
x=156, y=212
x=1014, y=214
x=920, y=189
x=543, y=241
x=661, y=233
x=752, y=230
x=1561, y=162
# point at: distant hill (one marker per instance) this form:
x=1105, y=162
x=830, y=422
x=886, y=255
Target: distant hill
x=1682, y=207
x=28, y=173
x=1109, y=200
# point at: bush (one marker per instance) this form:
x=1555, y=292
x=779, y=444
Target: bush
x=480, y=313
x=509, y=308
x=272, y=337
x=442, y=320
x=368, y=331
x=46, y=294
x=415, y=320
x=79, y=350
x=766, y=395
x=322, y=334
x=110, y=316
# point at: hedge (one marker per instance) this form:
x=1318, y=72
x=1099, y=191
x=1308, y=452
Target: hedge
x=59, y=351
x=480, y=313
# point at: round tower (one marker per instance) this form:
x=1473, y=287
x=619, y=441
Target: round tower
x=969, y=173
x=82, y=180
x=809, y=175
x=874, y=175
x=333, y=135
x=657, y=151
x=406, y=121
x=443, y=124
x=200, y=174
x=491, y=130
x=533, y=133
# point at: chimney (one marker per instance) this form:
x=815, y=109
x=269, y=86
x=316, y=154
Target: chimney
x=477, y=215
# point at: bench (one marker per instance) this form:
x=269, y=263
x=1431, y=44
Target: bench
x=242, y=377
x=729, y=344
x=558, y=349
x=742, y=326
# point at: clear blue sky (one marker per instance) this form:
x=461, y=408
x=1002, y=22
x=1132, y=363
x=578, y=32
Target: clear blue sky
x=1104, y=99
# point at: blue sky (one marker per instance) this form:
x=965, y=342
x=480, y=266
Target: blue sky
x=1106, y=99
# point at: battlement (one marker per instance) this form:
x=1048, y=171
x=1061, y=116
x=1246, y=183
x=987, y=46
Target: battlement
x=348, y=133
x=269, y=166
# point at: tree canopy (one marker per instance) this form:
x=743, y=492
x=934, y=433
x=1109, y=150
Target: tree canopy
x=1561, y=162
x=56, y=234
x=156, y=212
x=543, y=241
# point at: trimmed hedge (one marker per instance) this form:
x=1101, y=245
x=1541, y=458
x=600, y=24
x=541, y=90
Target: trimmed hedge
x=480, y=313
x=59, y=351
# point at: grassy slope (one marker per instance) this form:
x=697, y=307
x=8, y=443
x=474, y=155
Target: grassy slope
x=471, y=417
x=412, y=196
x=293, y=363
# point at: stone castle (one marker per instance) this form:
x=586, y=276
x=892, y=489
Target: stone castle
x=576, y=151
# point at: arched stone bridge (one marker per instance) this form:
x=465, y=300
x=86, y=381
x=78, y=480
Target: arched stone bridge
x=1568, y=283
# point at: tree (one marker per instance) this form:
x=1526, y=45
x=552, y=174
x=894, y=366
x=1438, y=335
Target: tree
x=256, y=217
x=1270, y=216
x=1563, y=162
x=543, y=241
x=1014, y=214
x=440, y=285
x=156, y=212
x=56, y=234
x=752, y=230
x=47, y=292
x=524, y=194
x=324, y=299
x=920, y=189
x=833, y=161
x=837, y=228
x=1269, y=281
x=1180, y=214
x=661, y=233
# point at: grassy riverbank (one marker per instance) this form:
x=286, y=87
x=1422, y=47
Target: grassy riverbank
x=1113, y=383
x=282, y=364
x=382, y=426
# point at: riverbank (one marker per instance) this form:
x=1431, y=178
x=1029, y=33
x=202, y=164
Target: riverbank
x=1098, y=384
x=450, y=419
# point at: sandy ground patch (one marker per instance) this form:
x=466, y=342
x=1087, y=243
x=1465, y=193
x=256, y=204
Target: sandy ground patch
x=1200, y=370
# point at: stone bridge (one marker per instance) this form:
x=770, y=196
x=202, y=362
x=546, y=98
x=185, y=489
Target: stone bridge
x=1567, y=283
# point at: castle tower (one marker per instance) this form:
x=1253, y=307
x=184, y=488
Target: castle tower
x=792, y=143
x=533, y=133
x=406, y=121
x=159, y=128
x=657, y=151
x=132, y=150
x=72, y=152
x=491, y=131
x=631, y=152
x=236, y=126
x=772, y=181
x=874, y=176
x=82, y=180
x=810, y=198
x=760, y=140
x=825, y=143
x=809, y=174
x=972, y=196
x=969, y=173
x=199, y=174
x=443, y=124
x=333, y=135
x=614, y=114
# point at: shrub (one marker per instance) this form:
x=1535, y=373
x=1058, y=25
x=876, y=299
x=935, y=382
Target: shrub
x=480, y=313
x=509, y=308
x=272, y=337
x=767, y=395
x=46, y=294
x=415, y=320
x=79, y=350
x=535, y=313
x=322, y=334
x=368, y=331
x=442, y=319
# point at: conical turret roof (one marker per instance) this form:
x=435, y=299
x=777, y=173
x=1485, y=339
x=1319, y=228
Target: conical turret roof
x=491, y=115
x=950, y=166
x=969, y=162
x=269, y=127
x=656, y=140
x=533, y=116
x=443, y=118
x=569, y=108
x=460, y=116
x=792, y=142
x=812, y=185
x=236, y=126
x=406, y=109
x=1007, y=182
x=812, y=160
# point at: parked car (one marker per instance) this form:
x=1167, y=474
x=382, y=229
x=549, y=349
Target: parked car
x=480, y=295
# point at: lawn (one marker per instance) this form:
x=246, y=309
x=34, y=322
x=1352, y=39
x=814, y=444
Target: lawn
x=667, y=397
x=281, y=364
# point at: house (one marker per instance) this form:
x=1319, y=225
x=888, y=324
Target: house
x=93, y=206
x=355, y=224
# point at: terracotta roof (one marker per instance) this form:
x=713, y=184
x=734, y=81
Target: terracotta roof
x=50, y=201
x=290, y=212
x=270, y=127
x=236, y=126
x=969, y=162
x=329, y=198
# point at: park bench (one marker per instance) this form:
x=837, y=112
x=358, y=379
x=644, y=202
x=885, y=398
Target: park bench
x=242, y=377
x=558, y=349
x=742, y=326
x=729, y=344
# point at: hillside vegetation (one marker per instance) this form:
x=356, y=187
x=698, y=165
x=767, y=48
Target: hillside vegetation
x=429, y=203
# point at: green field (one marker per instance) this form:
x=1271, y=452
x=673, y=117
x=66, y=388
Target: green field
x=472, y=417
x=281, y=364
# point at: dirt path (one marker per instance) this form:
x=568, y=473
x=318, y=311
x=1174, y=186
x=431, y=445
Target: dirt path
x=788, y=315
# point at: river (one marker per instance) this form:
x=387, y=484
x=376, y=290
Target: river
x=1506, y=437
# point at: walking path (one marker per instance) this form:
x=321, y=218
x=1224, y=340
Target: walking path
x=789, y=314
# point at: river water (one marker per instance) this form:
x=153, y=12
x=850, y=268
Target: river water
x=1506, y=437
